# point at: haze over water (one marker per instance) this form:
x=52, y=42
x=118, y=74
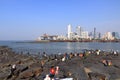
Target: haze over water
x=59, y=47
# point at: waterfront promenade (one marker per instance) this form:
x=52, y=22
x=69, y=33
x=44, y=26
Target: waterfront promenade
x=90, y=65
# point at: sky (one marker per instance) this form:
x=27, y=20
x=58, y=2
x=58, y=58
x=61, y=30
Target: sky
x=28, y=19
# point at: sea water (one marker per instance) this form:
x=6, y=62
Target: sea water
x=59, y=47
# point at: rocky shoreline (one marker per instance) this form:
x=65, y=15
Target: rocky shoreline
x=90, y=65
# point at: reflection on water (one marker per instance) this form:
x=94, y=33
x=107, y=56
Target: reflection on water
x=69, y=46
x=62, y=47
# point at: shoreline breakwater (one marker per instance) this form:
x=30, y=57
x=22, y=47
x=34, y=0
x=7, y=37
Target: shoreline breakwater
x=89, y=65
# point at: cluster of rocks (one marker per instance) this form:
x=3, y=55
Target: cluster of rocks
x=79, y=66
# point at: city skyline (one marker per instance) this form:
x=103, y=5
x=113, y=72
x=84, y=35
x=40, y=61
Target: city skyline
x=80, y=35
x=28, y=19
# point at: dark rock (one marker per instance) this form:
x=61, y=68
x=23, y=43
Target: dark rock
x=23, y=68
x=37, y=71
x=96, y=76
x=26, y=74
x=5, y=73
x=31, y=67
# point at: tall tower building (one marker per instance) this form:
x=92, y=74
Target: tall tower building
x=99, y=36
x=94, y=33
x=69, y=31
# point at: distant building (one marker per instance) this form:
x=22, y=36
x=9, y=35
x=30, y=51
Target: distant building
x=69, y=31
x=85, y=35
x=61, y=37
x=108, y=36
x=115, y=35
x=48, y=37
x=111, y=36
x=91, y=36
x=79, y=30
x=81, y=34
x=99, y=35
x=94, y=33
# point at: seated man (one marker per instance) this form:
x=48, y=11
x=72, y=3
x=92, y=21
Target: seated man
x=52, y=72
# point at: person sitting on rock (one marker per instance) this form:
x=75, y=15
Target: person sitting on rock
x=63, y=59
x=115, y=53
x=81, y=55
x=42, y=63
x=52, y=72
x=105, y=62
x=57, y=71
x=47, y=77
x=13, y=68
x=98, y=52
x=71, y=55
x=66, y=56
x=109, y=62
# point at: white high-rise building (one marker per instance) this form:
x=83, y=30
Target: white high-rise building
x=79, y=31
x=69, y=31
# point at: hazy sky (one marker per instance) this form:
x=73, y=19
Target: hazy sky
x=28, y=19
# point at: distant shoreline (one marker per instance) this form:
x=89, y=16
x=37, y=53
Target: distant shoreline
x=47, y=41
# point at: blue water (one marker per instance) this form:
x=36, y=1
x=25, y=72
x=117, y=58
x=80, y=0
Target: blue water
x=59, y=47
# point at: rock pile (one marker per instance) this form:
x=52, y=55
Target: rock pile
x=79, y=66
